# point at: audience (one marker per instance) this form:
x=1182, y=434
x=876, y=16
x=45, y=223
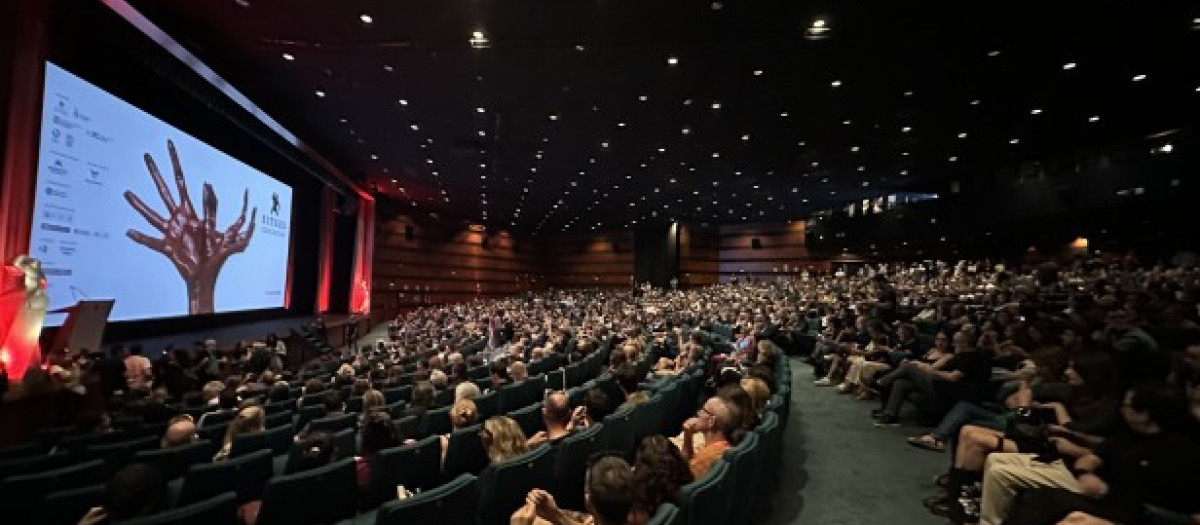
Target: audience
x=248, y=420
x=556, y=417
x=716, y=421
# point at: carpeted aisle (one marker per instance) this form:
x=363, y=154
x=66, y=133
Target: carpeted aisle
x=839, y=469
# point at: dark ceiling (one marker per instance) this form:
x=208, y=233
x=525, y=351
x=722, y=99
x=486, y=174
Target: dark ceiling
x=584, y=115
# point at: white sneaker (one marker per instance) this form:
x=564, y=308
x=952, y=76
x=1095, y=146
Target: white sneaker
x=824, y=381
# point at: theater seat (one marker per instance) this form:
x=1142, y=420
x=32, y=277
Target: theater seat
x=173, y=462
x=309, y=413
x=451, y=504
x=665, y=514
x=706, y=500
x=281, y=418
x=619, y=431
x=503, y=486
x=770, y=444
x=464, y=453
x=416, y=466
x=435, y=422
x=115, y=454
x=20, y=493
x=332, y=424
x=570, y=465
x=744, y=467
x=244, y=475
x=400, y=393
x=321, y=495
x=647, y=419
x=218, y=510
x=529, y=418
x=65, y=507
x=487, y=405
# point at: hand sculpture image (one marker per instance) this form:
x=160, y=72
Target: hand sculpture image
x=192, y=243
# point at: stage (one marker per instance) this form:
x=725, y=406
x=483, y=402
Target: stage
x=335, y=326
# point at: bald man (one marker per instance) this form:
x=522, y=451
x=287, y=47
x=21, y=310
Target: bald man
x=556, y=415
x=180, y=431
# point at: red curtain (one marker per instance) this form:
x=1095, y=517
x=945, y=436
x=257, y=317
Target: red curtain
x=22, y=126
x=364, y=253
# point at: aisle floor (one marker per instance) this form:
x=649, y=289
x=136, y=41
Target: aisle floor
x=839, y=469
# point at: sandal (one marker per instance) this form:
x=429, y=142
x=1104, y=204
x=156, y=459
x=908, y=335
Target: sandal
x=927, y=442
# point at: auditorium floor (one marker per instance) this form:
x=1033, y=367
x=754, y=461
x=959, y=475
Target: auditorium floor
x=839, y=469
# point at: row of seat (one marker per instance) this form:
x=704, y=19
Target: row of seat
x=252, y=466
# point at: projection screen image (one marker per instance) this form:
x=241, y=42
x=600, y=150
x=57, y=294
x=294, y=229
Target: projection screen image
x=114, y=216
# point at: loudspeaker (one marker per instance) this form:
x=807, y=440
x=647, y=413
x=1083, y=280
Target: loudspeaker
x=408, y=232
x=484, y=242
x=755, y=244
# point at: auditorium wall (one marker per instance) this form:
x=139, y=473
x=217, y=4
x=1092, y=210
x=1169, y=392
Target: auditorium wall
x=420, y=262
x=763, y=251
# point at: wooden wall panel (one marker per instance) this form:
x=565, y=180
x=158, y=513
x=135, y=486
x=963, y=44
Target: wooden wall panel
x=603, y=260
x=780, y=251
x=699, y=256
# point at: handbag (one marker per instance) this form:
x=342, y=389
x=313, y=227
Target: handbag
x=1028, y=428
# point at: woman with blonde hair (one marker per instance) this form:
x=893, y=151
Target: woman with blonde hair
x=372, y=400
x=502, y=439
x=462, y=414
x=759, y=392
x=248, y=421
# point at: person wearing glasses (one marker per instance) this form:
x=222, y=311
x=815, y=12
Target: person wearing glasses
x=715, y=421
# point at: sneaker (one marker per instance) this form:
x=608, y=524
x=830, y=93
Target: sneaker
x=843, y=388
x=887, y=421
x=824, y=381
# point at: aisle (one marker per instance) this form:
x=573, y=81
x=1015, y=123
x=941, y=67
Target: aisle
x=839, y=469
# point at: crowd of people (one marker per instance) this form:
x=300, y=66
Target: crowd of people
x=1062, y=395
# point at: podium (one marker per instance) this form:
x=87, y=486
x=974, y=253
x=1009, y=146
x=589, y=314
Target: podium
x=84, y=326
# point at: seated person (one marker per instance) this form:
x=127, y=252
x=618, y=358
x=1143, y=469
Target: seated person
x=556, y=416
x=1153, y=465
x=334, y=406
x=463, y=414
x=180, y=431
x=608, y=497
x=716, y=421
x=378, y=432
x=595, y=407
x=659, y=471
x=135, y=490
x=502, y=439
x=249, y=420
x=630, y=385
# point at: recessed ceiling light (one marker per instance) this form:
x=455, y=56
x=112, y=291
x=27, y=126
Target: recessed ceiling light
x=374, y=157
x=686, y=130
x=953, y=159
x=975, y=102
x=836, y=83
x=962, y=135
x=553, y=117
x=783, y=113
x=1069, y=65
x=620, y=124
x=642, y=98
x=758, y=72
x=661, y=150
x=1014, y=141
x=289, y=57
x=320, y=94
x=904, y=172
x=716, y=154
x=1094, y=118
x=847, y=122
x=604, y=144
x=908, y=93
x=671, y=61
x=716, y=105
x=579, y=47
x=745, y=138
x=1139, y=77
x=482, y=133
x=480, y=110
x=403, y=102
x=994, y=53
x=1035, y=111
x=905, y=129
x=366, y=19
x=854, y=149
x=414, y=127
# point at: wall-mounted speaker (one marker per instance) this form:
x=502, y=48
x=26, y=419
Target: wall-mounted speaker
x=755, y=244
x=408, y=232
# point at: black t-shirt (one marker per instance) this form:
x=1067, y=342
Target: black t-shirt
x=1160, y=469
x=975, y=366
